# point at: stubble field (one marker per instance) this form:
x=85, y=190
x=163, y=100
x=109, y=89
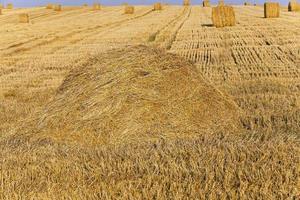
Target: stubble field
x=64, y=134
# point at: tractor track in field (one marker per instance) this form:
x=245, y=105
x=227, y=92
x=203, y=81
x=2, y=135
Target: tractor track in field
x=87, y=31
x=177, y=23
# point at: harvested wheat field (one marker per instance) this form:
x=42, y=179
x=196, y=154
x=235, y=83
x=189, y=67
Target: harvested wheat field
x=149, y=105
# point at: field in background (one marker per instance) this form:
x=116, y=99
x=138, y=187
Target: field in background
x=256, y=62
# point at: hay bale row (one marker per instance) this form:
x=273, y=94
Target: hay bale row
x=57, y=7
x=129, y=10
x=293, y=6
x=271, y=10
x=9, y=6
x=49, y=6
x=96, y=6
x=206, y=3
x=223, y=16
x=186, y=2
x=157, y=6
x=23, y=18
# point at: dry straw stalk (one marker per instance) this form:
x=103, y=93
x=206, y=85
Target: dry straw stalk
x=271, y=10
x=23, y=18
x=9, y=6
x=96, y=6
x=223, y=16
x=293, y=6
x=129, y=10
x=186, y=2
x=206, y=3
x=157, y=6
x=57, y=8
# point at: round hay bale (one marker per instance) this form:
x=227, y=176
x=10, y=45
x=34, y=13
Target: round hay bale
x=129, y=10
x=49, y=6
x=293, y=6
x=247, y=4
x=271, y=10
x=10, y=6
x=57, y=8
x=96, y=6
x=23, y=18
x=206, y=3
x=221, y=3
x=186, y=2
x=85, y=5
x=157, y=6
x=134, y=94
x=223, y=16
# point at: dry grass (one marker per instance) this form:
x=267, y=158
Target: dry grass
x=256, y=63
x=223, y=16
x=271, y=10
x=23, y=18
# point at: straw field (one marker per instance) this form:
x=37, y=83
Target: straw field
x=149, y=105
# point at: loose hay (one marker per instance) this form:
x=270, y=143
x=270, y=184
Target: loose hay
x=206, y=3
x=24, y=18
x=293, y=6
x=186, y=2
x=223, y=16
x=271, y=10
x=129, y=10
x=157, y=6
x=57, y=8
x=96, y=6
x=9, y=6
x=135, y=94
x=49, y=6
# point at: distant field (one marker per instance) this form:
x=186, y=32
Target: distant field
x=256, y=63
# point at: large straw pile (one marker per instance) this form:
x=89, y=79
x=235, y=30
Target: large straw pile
x=293, y=6
x=9, y=6
x=157, y=6
x=186, y=2
x=49, y=6
x=128, y=10
x=223, y=16
x=23, y=18
x=96, y=6
x=271, y=10
x=57, y=8
x=133, y=94
x=206, y=3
